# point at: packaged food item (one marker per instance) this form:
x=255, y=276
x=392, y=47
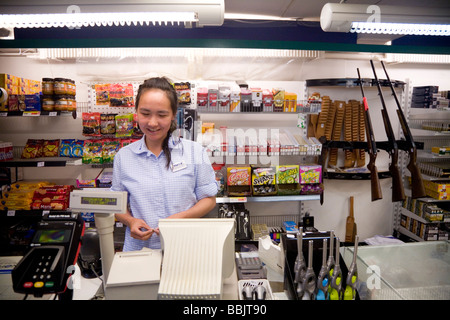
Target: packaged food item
x=124, y=125
x=77, y=148
x=51, y=148
x=6, y=151
x=60, y=86
x=72, y=88
x=312, y=188
x=65, y=148
x=51, y=197
x=121, y=95
x=239, y=181
x=183, y=90
x=310, y=174
x=33, y=149
x=47, y=86
x=235, y=100
x=102, y=94
x=278, y=99
x=61, y=102
x=92, y=152
x=208, y=127
x=110, y=147
x=202, y=99
x=224, y=95
x=288, y=179
x=32, y=102
x=213, y=94
x=263, y=181
x=108, y=123
x=257, y=102
x=246, y=100
x=91, y=124
x=48, y=104
x=71, y=103
x=220, y=180
x=267, y=100
x=137, y=132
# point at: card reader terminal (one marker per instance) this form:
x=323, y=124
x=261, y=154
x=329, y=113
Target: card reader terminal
x=47, y=266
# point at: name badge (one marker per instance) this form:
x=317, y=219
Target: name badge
x=178, y=166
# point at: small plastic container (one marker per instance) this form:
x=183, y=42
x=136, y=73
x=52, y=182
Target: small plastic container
x=48, y=104
x=60, y=86
x=47, y=86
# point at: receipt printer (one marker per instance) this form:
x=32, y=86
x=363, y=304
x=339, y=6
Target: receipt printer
x=134, y=275
x=48, y=265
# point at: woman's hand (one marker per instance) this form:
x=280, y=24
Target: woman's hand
x=140, y=230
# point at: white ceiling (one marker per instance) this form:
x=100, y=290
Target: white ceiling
x=310, y=9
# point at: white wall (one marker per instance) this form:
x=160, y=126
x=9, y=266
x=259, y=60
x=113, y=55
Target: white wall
x=371, y=217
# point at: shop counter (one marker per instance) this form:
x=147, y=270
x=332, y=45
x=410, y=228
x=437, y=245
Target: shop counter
x=409, y=271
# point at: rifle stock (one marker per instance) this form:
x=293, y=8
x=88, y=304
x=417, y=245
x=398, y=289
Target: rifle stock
x=417, y=187
x=374, y=180
x=398, y=193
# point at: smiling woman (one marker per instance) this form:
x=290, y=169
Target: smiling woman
x=165, y=176
x=156, y=106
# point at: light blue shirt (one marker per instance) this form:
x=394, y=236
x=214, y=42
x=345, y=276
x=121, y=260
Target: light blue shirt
x=155, y=192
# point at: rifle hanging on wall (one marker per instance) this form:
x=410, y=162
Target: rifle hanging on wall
x=398, y=193
x=417, y=187
x=372, y=147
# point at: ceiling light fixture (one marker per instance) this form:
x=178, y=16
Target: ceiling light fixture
x=393, y=20
x=78, y=20
x=102, y=13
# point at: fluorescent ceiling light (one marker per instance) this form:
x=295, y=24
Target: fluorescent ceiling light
x=64, y=13
x=385, y=19
x=94, y=19
x=401, y=28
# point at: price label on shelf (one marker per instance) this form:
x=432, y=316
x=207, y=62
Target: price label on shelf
x=238, y=199
x=52, y=114
x=3, y=114
x=31, y=113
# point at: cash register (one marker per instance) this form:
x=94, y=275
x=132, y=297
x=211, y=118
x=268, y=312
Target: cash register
x=196, y=259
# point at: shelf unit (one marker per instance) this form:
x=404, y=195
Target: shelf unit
x=418, y=118
x=265, y=120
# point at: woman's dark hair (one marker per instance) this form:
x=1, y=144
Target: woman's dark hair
x=162, y=83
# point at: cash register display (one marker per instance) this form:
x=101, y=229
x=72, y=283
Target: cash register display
x=99, y=201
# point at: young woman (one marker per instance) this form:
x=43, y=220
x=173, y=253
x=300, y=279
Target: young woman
x=165, y=176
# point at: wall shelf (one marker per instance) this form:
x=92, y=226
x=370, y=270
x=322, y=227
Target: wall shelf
x=268, y=198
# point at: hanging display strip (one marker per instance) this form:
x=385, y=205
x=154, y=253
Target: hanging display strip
x=112, y=97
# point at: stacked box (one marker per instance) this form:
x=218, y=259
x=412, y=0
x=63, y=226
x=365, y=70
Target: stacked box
x=6, y=151
x=424, y=97
x=263, y=181
x=425, y=210
x=426, y=231
x=239, y=181
x=288, y=180
x=23, y=94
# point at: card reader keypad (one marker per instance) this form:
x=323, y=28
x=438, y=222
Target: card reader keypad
x=40, y=273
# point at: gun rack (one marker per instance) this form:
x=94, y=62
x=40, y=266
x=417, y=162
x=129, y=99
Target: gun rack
x=352, y=82
x=383, y=145
x=350, y=145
